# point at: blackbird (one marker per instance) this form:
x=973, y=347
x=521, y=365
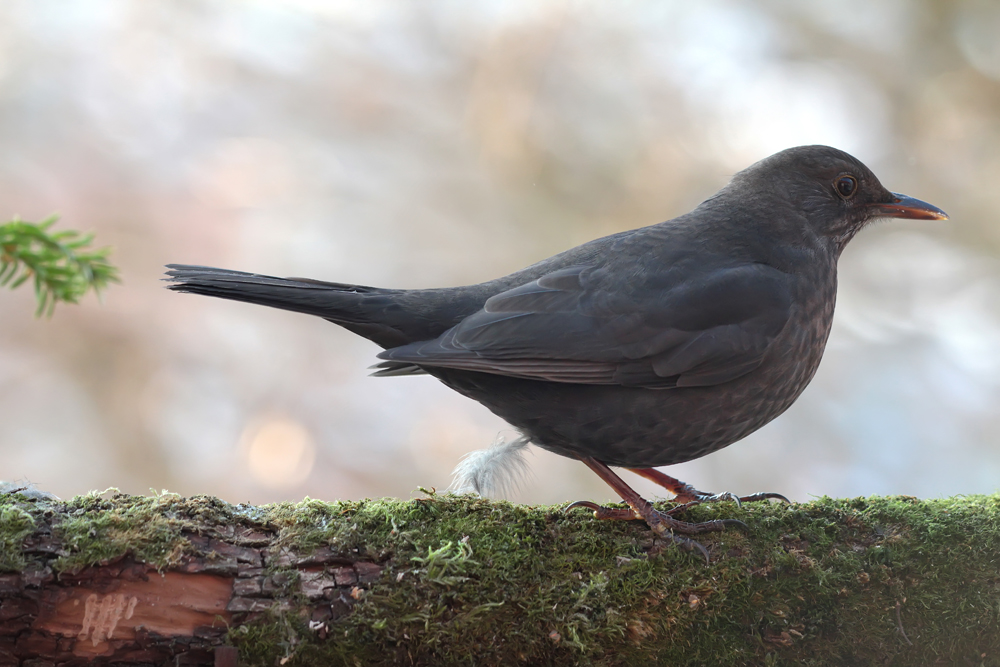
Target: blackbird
x=645, y=348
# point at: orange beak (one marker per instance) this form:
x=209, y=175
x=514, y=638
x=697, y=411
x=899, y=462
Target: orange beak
x=908, y=207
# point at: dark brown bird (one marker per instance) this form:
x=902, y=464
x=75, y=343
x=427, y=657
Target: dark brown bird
x=645, y=348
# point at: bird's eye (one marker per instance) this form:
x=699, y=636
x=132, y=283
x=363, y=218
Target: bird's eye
x=846, y=185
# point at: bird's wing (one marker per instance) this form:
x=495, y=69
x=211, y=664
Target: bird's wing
x=577, y=325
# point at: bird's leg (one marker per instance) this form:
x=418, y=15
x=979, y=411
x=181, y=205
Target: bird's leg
x=662, y=524
x=688, y=495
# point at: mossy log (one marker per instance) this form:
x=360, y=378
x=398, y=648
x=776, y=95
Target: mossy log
x=460, y=580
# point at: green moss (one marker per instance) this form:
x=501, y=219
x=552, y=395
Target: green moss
x=472, y=581
x=97, y=530
x=15, y=525
x=815, y=583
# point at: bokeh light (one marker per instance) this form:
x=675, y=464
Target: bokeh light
x=279, y=452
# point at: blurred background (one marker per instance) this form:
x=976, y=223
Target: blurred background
x=443, y=143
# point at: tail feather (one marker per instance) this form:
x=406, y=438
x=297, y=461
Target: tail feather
x=388, y=317
x=391, y=369
x=334, y=301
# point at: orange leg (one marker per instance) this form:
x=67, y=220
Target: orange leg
x=661, y=523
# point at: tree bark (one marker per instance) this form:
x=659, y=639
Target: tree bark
x=460, y=580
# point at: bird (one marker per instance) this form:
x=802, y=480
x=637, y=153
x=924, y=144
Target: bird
x=641, y=349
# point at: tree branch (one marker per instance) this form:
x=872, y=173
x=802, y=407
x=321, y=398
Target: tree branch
x=460, y=580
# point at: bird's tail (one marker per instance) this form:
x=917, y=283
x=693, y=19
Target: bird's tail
x=334, y=301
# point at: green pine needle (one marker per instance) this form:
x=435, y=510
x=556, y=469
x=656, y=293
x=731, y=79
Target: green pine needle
x=60, y=263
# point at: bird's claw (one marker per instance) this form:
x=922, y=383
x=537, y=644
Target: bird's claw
x=582, y=503
x=601, y=512
x=725, y=495
x=736, y=523
x=699, y=498
x=687, y=544
x=757, y=497
x=663, y=525
x=692, y=497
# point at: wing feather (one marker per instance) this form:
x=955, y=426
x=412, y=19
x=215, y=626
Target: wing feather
x=579, y=325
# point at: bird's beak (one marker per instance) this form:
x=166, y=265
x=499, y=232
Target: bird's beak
x=907, y=207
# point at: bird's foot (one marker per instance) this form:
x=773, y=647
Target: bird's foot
x=687, y=501
x=661, y=523
x=686, y=495
x=692, y=496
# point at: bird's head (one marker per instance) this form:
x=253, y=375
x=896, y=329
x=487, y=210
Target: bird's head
x=832, y=191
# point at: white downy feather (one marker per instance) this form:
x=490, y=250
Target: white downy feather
x=496, y=470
